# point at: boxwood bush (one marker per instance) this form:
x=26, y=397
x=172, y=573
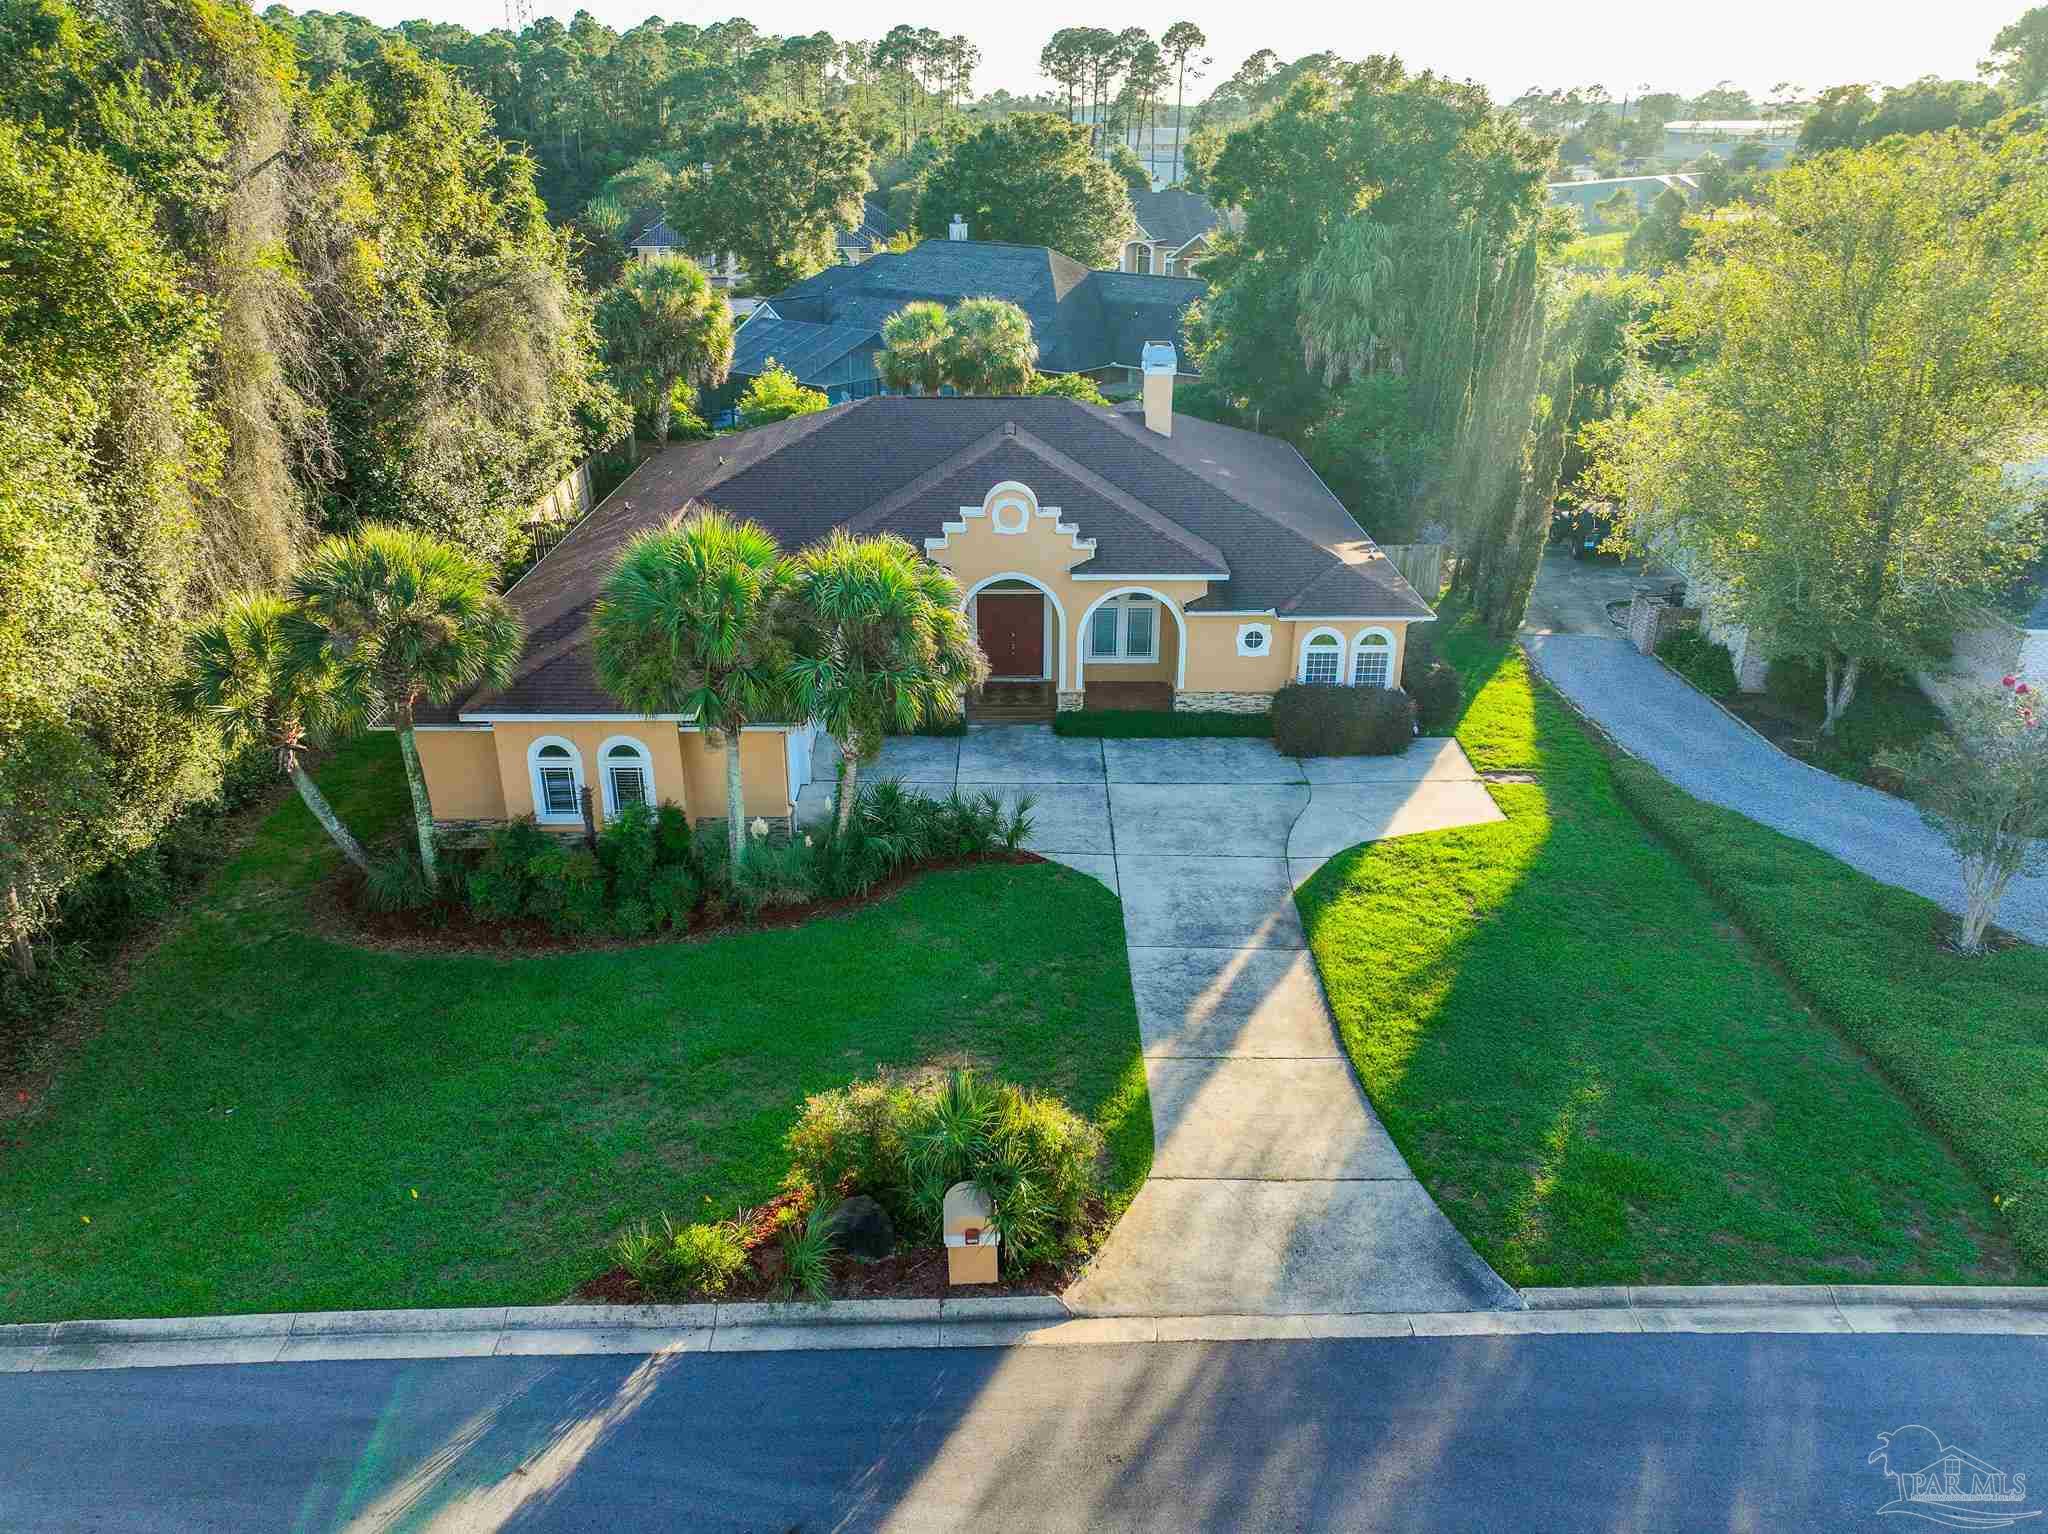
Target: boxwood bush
x=1310, y=720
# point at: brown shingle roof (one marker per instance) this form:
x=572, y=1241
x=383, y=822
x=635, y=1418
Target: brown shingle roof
x=1240, y=510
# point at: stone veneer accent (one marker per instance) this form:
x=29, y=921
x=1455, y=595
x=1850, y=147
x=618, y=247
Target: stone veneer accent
x=1072, y=702
x=1222, y=702
x=464, y=833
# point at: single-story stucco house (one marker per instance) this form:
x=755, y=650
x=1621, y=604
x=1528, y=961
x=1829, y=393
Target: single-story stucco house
x=1186, y=564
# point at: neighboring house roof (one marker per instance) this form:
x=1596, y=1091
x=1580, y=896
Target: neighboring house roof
x=648, y=228
x=1080, y=319
x=1173, y=216
x=805, y=348
x=1210, y=502
x=877, y=227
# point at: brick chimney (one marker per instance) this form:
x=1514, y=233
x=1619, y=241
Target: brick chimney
x=957, y=230
x=1160, y=364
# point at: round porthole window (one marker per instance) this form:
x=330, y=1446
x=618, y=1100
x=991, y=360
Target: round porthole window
x=1254, y=639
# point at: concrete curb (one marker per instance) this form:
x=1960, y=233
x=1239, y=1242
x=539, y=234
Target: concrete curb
x=990, y=1322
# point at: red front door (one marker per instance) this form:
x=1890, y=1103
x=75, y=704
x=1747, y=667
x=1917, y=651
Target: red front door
x=1012, y=626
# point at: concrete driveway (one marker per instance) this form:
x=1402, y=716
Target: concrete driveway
x=1274, y=1189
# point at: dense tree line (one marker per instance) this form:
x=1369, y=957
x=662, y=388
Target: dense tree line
x=243, y=304
x=588, y=100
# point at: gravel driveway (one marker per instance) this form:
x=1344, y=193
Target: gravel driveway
x=1683, y=735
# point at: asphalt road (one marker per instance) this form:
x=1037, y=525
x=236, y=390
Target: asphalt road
x=1527, y=1433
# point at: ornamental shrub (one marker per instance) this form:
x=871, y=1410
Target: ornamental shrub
x=1342, y=721
x=500, y=884
x=904, y=1146
x=1700, y=660
x=672, y=895
x=567, y=889
x=671, y=834
x=626, y=847
x=1439, y=694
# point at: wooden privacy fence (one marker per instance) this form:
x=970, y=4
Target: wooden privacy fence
x=1421, y=564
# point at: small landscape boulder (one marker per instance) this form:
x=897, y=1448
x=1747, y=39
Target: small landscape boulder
x=861, y=1228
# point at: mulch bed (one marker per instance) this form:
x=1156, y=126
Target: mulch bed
x=341, y=908
x=910, y=1273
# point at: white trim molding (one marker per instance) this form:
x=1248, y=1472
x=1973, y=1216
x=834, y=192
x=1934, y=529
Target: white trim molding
x=1301, y=654
x=1180, y=671
x=1058, y=667
x=643, y=758
x=1255, y=639
x=1010, y=497
x=541, y=812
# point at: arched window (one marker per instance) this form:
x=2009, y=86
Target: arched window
x=1372, y=659
x=1322, y=658
x=628, y=771
x=557, y=780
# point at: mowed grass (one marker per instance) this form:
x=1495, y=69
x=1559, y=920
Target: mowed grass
x=1598, y=1077
x=272, y=1119
x=1964, y=1039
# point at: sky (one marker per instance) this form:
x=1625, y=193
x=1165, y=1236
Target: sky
x=1507, y=47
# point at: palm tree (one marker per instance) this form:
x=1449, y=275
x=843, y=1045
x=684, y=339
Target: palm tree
x=913, y=344
x=399, y=618
x=881, y=639
x=686, y=624
x=663, y=324
x=990, y=350
x=238, y=674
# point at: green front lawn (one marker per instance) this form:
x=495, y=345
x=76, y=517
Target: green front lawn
x=1593, y=1071
x=274, y=1119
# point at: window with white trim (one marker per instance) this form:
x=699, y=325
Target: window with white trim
x=1124, y=628
x=1372, y=660
x=1322, y=660
x=628, y=775
x=557, y=782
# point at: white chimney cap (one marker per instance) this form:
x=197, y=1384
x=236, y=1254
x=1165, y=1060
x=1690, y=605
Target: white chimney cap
x=1159, y=357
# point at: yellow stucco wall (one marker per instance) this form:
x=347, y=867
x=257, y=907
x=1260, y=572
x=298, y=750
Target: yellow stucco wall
x=1048, y=556
x=461, y=768
x=588, y=737
x=483, y=774
x=764, y=773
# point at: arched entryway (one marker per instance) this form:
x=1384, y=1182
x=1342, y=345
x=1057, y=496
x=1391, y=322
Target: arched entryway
x=1132, y=649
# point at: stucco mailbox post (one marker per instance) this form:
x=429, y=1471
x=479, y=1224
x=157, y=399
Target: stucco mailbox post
x=971, y=1243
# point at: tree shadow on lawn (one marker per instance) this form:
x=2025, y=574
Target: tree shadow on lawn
x=1602, y=1083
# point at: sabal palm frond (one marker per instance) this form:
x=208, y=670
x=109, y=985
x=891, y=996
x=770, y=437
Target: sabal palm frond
x=990, y=349
x=686, y=623
x=912, y=358
x=239, y=674
x=398, y=618
x=881, y=640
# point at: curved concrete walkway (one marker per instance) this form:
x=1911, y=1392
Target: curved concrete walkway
x=1685, y=736
x=1274, y=1189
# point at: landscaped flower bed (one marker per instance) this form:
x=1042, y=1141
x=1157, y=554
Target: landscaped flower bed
x=859, y=1212
x=648, y=875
